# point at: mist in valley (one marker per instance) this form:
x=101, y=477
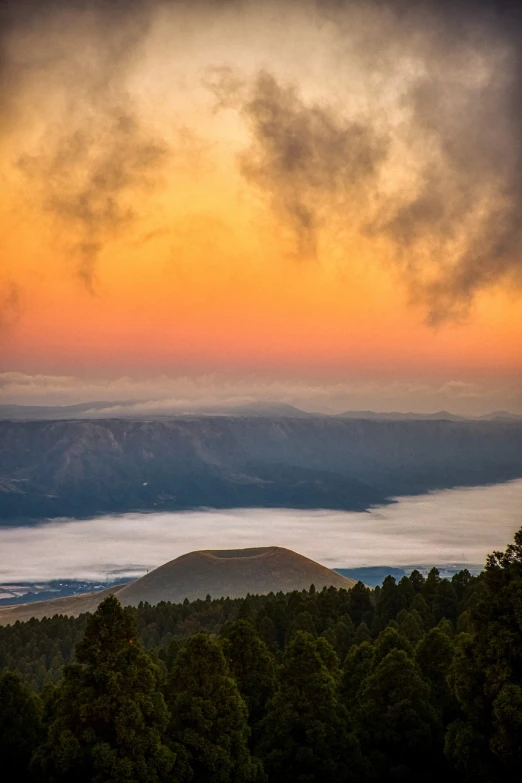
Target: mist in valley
x=455, y=526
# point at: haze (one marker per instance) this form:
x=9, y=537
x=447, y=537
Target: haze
x=453, y=526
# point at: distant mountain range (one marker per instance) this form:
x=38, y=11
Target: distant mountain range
x=82, y=468
x=157, y=409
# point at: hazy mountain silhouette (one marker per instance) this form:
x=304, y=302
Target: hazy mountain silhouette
x=83, y=468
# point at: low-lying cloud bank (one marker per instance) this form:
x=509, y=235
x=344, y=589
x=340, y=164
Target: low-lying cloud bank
x=451, y=526
x=166, y=394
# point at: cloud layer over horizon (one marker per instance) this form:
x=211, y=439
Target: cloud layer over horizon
x=127, y=396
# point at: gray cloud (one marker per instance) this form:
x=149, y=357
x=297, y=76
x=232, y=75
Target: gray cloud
x=84, y=171
x=455, y=225
x=86, y=179
x=306, y=156
x=454, y=222
x=175, y=393
x=461, y=220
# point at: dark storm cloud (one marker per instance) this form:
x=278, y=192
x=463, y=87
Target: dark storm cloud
x=302, y=155
x=463, y=219
x=88, y=176
x=457, y=227
x=84, y=173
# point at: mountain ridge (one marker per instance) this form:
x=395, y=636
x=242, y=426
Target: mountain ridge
x=90, y=467
x=156, y=409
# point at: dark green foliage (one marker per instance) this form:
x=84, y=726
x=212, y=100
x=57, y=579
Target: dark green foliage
x=434, y=655
x=362, y=634
x=399, y=725
x=108, y=717
x=467, y=752
x=359, y=602
x=344, y=633
x=390, y=601
x=208, y=727
x=445, y=602
x=21, y=713
x=252, y=665
x=357, y=666
x=302, y=622
x=421, y=607
x=410, y=625
x=268, y=633
x=390, y=639
x=430, y=687
x=486, y=675
x=306, y=735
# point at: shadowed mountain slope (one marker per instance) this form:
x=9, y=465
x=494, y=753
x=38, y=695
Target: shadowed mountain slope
x=219, y=573
x=84, y=468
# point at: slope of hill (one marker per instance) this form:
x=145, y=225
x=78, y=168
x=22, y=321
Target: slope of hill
x=218, y=573
x=84, y=468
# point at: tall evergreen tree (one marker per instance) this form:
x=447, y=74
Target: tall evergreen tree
x=409, y=625
x=20, y=726
x=391, y=639
x=434, y=655
x=398, y=724
x=344, y=633
x=252, y=666
x=306, y=732
x=357, y=666
x=208, y=728
x=486, y=674
x=108, y=717
x=359, y=602
x=362, y=634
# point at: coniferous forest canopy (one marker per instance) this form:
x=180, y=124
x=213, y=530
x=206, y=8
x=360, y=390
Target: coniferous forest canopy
x=415, y=680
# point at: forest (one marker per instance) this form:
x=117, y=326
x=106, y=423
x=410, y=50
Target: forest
x=419, y=679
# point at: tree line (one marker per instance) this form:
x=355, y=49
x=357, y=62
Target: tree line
x=420, y=679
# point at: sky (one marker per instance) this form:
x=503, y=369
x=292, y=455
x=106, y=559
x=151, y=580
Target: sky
x=314, y=202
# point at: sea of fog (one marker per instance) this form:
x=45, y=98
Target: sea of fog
x=451, y=526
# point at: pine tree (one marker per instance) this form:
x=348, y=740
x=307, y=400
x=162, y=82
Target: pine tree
x=398, y=725
x=303, y=621
x=362, y=634
x=486, y=674
x=268, y=633
x=208, y=728
x=409, y=626
x=306, y=731
x=252, y=666
x=344, y=632
x=391, y=639
x=357, y=666
x=20, y=726
x=434, y=655
x=359, y=602
x=108, y=717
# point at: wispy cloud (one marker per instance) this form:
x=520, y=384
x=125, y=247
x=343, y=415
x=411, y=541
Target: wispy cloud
x=164, y=394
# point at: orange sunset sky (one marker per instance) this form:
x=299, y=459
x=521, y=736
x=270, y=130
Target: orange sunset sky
x=196, y=204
